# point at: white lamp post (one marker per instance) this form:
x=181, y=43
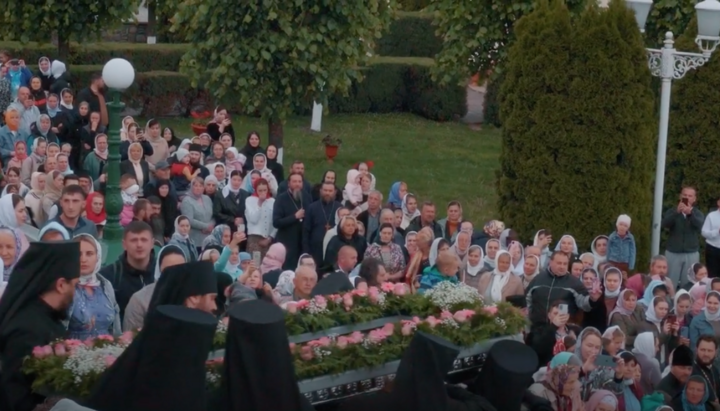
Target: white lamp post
x=669, y=64
x=118, y=74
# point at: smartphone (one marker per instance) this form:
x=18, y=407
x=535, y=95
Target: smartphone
x=562, y=309
x=671, y=318
x=605, y=361
x=685, y=201
x=241, y=227
x=256, y=258
x=685, y=332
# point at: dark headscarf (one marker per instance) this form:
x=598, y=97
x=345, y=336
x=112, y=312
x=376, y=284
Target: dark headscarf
x=250, y=151
x=37, y=270
x=174, y=141
x=182, y=281
x=168, y=205
x=163, y=369
x=259, y=374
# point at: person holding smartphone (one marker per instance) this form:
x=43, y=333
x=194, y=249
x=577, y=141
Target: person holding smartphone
x=684, y=224
x=546, y=339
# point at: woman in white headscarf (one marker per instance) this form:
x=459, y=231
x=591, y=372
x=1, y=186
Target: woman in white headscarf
x=645, y=351
x=260, y=164
x=492, y=247
x=95, y=161
x=13, y=215
x=11, y=244
x=94, y=310
x=409, y=209
x=461, y=245
x=181, y=238
x=33, y=162
x=518, y=258
x=501, y=283
x=568, y=245
x=531, y=268
x=473, y=266
x=438, y=245
x=33, y=199
x=599, y=249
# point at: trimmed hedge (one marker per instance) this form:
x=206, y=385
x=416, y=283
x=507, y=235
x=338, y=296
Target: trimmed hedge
x=391, y=84
x=411, y=35
x=413, y=5
x=578, y=137
x=144, y=57
x=402, y=84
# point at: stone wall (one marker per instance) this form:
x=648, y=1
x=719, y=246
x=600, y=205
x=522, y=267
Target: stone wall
x=128, y=33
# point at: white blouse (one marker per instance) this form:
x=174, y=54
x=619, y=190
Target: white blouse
x=711, y=229
x=259, y=218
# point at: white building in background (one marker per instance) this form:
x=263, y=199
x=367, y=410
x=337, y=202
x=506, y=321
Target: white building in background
x=142, y=14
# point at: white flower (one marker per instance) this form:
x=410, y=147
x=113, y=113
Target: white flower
x=315, y=308
x=221, y=327
x=91, y=360
x=446, y=294
x=212, y=377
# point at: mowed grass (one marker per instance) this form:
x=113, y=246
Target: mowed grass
x=439, y=161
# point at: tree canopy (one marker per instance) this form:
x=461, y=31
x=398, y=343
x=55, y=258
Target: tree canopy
x=668, y=15
x=270, y=56
x=477, y=33
x=79, y=20
x=578, y=138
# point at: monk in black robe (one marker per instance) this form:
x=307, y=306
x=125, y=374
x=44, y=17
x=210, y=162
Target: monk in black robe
x=319, y=219
x=681, y=367
x=38, y=295
x=288, y=217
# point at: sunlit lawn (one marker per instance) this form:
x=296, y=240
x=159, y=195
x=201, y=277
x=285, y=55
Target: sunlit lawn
x=439, y=161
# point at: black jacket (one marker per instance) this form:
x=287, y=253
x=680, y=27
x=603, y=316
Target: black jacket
x=542, y=339
x=226, y=209
x=357, y=242
x=126, y=280
x=126, y=167
x=416, y=225
x=547, y=288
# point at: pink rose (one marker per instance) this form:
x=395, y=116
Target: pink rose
x=399, y=289
x=38, y=352
x=306, y=353
x=407, y=329
x=320, y=301
x=47, y=350
x=389, y=329
x=377, y=336
x=347, y=301
x=342, y=342
x=89, y=342
x=292, y=346
x=226, y=320
x=446, y=314
x=60, y=350
x=106, y=337
x=336, y=298
x=460, y=317
x=374, y=294
x=110, y=360
x=292, y=307
x=72, y=343
x=387, y=287
x=302, y=304
x=126, y=337
x=432, y=321
x=492, y=309
x=355, y=338
x=324, y=341
x=416, y=320
x=360, y=292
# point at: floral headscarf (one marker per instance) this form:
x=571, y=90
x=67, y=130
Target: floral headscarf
x=555, y=381
x=494, y=228
x=215, y=237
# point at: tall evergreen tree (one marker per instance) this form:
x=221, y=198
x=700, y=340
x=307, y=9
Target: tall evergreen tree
x=578, y=137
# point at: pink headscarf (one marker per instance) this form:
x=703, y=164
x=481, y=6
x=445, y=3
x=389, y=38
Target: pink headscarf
x=635, y=283
x=601, y=396
x=274, y=258
x=698, y=293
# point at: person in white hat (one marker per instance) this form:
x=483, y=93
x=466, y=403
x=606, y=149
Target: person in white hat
x=621, y=245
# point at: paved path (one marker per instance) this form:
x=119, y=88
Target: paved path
x=475, y=103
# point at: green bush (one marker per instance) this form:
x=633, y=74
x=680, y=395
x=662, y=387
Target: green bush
x=693, y=136
x=413, y=5
x=402, y=84
x=144, y=57
x=491, y=109
x=578, y=125
x=411, y=35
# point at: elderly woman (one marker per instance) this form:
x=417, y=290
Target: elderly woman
x=198, y=208
x=137, y=167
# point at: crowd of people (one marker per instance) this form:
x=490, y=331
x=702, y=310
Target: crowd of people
x=208, y=226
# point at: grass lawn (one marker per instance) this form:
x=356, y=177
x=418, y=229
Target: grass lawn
x=439, y=161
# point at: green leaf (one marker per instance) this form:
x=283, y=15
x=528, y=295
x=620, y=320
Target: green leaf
x=265, y=55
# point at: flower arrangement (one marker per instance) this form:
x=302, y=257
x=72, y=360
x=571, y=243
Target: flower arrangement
x=73, y=367
x=447, y=295
x=329, y=140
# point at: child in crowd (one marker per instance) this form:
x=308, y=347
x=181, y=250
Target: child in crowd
x=129, y=190
x=181, y=172
x=621, y=245
x=353, y=193
x=445, y=269
x=234, y=161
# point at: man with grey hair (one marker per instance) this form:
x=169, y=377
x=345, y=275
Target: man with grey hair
x=305, y=280
x=371, y=217
x=659, y=271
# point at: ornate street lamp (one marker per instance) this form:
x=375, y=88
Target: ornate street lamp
x=670, y=64
x=118, y=74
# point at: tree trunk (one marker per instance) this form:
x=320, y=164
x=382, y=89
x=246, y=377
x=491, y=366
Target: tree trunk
x=275, y=135
x=63, y=47
x=151, y=19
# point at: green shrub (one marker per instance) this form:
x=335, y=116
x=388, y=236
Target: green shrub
x=411, y=35
x=693, y=136
x=402, y=84
x=413, y=5
x=144, y=57
x=491, y=109
x=578, y=125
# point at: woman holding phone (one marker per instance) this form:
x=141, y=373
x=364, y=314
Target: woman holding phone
x=547, y=339
x=663, y=325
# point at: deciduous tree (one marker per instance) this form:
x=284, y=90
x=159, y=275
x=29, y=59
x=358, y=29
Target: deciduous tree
x=270, y=56
x=70, y=20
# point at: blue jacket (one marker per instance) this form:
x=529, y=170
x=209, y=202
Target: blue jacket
x=622, y=249
x=21, y=79
x=7, y=143
x=432, y=277
x=698, y=327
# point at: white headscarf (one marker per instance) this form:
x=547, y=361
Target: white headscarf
x=474, y=270
x=608, y=334
x=575, y=249
x=517, y=269
x=57, y=68
x=7, y=213
x=434, y=251
x=499, y=279
x=650, y=315
x=91, y=280
x=608, y=293
x=161, y=255
x=486, y=258
x=285, y=286
x=710, y=316
x=645, y=344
